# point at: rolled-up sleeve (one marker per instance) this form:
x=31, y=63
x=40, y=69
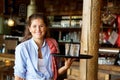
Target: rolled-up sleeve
x=20, y=62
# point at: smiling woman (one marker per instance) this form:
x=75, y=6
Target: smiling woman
x=42, y=22
x=36, y=48
x=38, y=29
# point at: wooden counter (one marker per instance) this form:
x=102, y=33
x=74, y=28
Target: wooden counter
x=110, y=69
x=6, y=65
x=105, y=72
x=6, y=56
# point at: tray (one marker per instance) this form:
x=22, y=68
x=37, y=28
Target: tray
x=81, y=56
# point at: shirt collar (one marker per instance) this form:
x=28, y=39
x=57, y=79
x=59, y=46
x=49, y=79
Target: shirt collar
x=35, y=45
x=44, y=43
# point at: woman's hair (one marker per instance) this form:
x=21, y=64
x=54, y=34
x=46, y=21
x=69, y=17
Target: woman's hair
x=27, y=34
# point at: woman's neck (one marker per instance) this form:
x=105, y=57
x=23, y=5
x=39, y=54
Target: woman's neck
x=39, y=42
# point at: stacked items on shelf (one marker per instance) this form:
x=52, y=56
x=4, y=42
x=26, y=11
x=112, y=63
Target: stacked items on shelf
x=66, y=21
x=75, y=36
x=107, y=55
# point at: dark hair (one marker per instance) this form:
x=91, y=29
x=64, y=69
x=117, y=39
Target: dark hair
x=27, y=34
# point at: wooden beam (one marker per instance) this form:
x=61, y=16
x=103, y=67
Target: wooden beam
x=90, y=39
x=84, y=38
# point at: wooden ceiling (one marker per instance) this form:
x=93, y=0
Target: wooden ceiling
x=50, y=7
x=55, y=7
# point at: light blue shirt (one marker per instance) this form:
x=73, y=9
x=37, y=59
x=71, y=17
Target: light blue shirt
x=26, y=61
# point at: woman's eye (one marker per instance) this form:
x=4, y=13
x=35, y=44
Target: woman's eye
x=34, y=26
x=42, y=25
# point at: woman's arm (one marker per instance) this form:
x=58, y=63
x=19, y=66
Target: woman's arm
x=20, y=62
x=67, y=65
x=18, y=78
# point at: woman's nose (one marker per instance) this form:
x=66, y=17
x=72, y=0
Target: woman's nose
x=38, y=28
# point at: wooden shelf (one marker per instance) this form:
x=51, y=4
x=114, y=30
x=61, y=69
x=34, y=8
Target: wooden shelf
x=63, y=13
x=109, y=50
x=64, y=29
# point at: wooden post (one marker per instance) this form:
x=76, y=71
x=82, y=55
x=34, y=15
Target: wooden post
x=90, y=39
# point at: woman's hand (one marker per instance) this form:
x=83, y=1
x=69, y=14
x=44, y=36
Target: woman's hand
x=68, y=62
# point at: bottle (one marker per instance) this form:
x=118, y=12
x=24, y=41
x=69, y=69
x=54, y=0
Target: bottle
x=117, y=60
x=3, y=48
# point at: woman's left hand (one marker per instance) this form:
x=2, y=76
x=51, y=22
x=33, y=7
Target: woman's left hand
x=68, y=62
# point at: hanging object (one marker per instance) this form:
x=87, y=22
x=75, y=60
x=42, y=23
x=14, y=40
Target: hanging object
x=11, y=22
x=31, y=9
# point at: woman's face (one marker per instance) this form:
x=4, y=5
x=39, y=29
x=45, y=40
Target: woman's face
x=38, y=28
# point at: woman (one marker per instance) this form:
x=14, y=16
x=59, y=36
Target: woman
x=33, y=59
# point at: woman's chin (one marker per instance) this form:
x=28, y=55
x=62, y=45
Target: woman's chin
x=39, y=37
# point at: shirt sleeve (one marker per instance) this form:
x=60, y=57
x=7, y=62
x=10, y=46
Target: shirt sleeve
x=20, y=62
